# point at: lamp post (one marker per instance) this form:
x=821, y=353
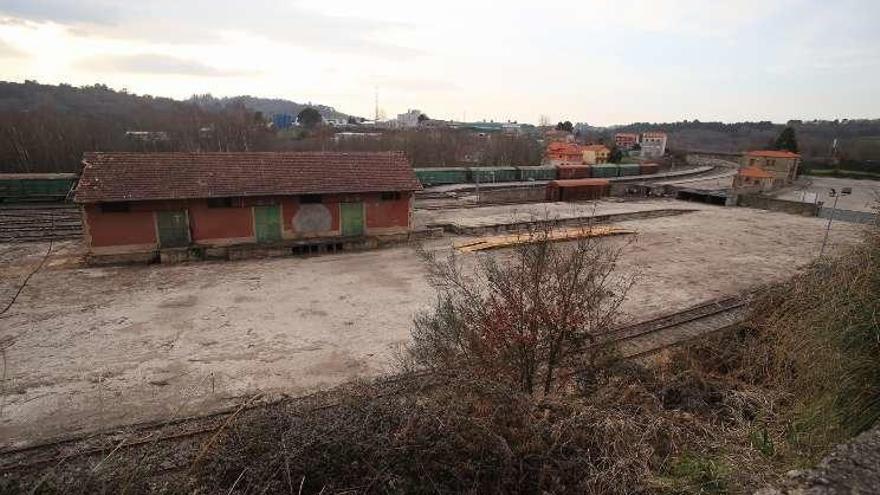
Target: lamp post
x=846, y=191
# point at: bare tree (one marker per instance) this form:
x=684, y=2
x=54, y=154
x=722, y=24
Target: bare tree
x=524, y=316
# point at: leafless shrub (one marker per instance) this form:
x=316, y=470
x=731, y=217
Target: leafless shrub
x=523, y=317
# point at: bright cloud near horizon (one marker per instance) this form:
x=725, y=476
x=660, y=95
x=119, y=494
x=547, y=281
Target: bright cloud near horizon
x=598, y=61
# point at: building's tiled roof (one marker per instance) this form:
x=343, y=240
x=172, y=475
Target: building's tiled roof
x=773, y=154
x=755, y=173
x=158, y=176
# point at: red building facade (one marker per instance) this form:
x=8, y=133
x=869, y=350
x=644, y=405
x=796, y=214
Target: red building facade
x=147, y=202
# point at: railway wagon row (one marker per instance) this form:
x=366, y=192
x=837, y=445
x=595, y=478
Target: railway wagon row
x=19, y=188
x=439, y=176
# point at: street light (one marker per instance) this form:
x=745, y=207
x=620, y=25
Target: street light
x=846, y=191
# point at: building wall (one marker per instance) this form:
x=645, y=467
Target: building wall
x=219, y=226
x=594, y=157
x=784, y=170
x=136, y=231
x=127, y=231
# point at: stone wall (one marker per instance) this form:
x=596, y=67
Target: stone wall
x=774, y=204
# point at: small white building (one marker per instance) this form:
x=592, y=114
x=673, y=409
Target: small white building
x=408, y=119
x=653, y=144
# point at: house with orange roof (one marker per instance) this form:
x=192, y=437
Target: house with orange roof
x=753, y=178
x=594, y=154
x=562, y=153
x=783, y=165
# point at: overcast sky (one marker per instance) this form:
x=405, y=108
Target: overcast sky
x=597, y=61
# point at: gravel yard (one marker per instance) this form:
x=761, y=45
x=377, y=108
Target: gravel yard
x=93, y=348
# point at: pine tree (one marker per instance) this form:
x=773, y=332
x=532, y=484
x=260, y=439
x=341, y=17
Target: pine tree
x=787, y=140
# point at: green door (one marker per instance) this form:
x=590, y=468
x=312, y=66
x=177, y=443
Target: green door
x=352, y=218
x=267, y=223
x=173, y=228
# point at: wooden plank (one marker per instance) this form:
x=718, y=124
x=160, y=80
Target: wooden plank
x=556, y=235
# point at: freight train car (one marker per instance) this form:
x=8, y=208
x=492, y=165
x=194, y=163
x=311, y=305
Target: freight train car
x=15, y=188
x=628, y=169
x=485, y=175
x=605, y=170
x=577, y=189
x=537, y=173
x=573, y=172
x=440, y=176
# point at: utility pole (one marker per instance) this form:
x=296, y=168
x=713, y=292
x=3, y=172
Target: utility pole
x=843, y=192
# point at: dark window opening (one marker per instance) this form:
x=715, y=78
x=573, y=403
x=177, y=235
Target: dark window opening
x=115, y=207
x=391, y=196
x=310, y=199
x=221, y=202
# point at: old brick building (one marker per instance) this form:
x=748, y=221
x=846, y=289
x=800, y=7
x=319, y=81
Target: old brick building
x=782, y=164
x=217, y=204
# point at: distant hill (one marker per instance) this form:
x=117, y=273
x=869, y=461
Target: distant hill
x=267, y=106
x=858, y=139
x=47, y=128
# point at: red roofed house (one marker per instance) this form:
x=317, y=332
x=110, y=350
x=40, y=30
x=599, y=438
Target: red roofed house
x=560, y=153
x=753, y=178
x=138, y=206
x=626, y=141
x=782, y=164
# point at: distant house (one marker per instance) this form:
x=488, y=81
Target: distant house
x=563, y=153
x=626, y=141
x=336, y=121
x=753, y=178
x=141, y=205
x=147, y=136
x=653, y=144
x=782, y=164
x=408, y=119
x=594, y=154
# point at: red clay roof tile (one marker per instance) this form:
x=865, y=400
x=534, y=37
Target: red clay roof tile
x=755, y=173
x=773, y=154
x=155, y=176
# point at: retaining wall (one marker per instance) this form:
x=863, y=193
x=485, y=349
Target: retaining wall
x=774, y=204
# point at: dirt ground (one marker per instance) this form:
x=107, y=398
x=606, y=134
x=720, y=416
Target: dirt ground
x=93, y=348
x=865, y=193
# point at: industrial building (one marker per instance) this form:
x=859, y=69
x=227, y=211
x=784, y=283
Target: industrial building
x=146, y=204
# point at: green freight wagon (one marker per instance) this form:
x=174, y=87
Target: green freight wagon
x=442, y=175
x=605, y=170
x=486, y=175
x=537, y=173
x=36, y=187
x=629, y=169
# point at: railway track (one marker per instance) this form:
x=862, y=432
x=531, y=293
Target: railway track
x=183, y=439
x=39, y=223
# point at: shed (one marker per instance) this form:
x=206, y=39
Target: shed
x=144, y=202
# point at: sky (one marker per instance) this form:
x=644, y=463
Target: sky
x=603, y=62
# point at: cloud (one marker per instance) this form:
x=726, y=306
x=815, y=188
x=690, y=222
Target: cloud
x=416, y=85
x=203, y=22
x=9, y=51
x=157, y=64
x=63, y=11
